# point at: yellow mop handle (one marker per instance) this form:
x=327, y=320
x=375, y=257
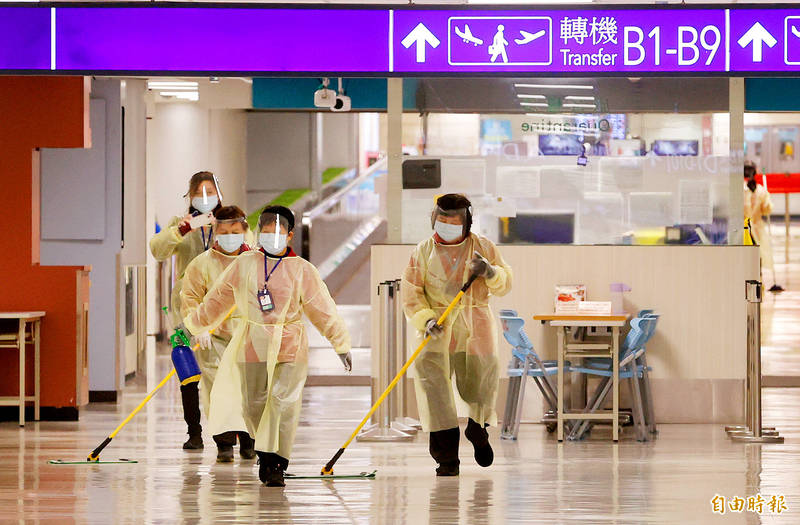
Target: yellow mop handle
x=95, y=454
x=328, y=468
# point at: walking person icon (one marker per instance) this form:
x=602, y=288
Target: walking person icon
x=498, y=47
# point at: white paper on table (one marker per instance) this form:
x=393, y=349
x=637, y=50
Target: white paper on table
x=695, y=202
x=518, y=181
x=594, y=307
x=651, y=209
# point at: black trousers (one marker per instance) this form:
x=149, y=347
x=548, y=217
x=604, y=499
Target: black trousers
x=443, y=445
x=190, y=398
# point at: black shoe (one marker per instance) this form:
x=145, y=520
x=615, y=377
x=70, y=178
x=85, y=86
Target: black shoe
x=484, y=455
x=275, y=477
x=449, y=468
x=776, y=288
x=247, y=446
x=194, y=443
x=263, y=466
x=225, y=454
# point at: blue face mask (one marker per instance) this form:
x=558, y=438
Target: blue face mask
x=448, y=232
x=230, y=242
x=205, y=207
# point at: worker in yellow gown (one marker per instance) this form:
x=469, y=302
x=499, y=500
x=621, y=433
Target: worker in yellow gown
x=200, y=276
x=757, y=205
x=187, y=237
x=266, y=362
x=465, y=346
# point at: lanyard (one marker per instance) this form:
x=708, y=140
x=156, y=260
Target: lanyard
x=267, y=275
x=203, y=233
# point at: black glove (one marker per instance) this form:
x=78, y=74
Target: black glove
x=433, y=329
x=480, y=266
x=347, y=361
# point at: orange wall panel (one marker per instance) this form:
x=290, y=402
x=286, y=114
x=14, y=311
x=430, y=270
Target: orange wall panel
x=38, y=112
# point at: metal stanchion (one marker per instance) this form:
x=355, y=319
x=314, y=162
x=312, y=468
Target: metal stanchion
x=385, y=429
x=752, y=431
x=401, y=421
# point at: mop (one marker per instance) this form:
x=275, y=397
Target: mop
x=327, y=470
x=180, y=343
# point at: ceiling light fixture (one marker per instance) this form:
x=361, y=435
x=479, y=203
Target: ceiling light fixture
x=571, y=105
x=578, y=97
x=553, y=86
x=534, y=104
x=522, y=95
x=510, y=2
x=179, y=89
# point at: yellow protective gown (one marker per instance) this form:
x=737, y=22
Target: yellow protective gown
x=199, y=277
x=757, y=204
x=468, y=346
x=266, y=362
x=169, y=242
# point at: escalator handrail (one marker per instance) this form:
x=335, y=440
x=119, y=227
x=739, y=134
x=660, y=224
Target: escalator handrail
x=331, y=201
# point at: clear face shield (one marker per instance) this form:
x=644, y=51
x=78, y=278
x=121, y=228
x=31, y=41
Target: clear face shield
x=205, y=202
x=274, y=242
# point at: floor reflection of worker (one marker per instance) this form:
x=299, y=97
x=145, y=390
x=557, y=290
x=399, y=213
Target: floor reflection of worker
x=757, y=205
x=499, y=43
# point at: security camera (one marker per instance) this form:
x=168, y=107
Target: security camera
x=324, y=97
x=342, y=103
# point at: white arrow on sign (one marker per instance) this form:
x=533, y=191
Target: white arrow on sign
x=758, y=36
x=420, y=35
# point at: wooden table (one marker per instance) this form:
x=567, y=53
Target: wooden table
x=35, y=320
x=582, y=350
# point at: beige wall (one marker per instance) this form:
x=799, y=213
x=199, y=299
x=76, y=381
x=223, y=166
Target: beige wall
x=185, y=138
x=698, y=352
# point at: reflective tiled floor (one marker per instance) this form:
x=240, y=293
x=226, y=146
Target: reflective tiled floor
x=534, y=480
x=780, y=338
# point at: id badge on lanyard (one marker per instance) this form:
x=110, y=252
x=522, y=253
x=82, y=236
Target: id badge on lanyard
x=264, y=295
x=265, y=300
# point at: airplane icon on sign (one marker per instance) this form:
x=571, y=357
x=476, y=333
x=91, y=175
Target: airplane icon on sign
x=467, y=36
x=528, y=37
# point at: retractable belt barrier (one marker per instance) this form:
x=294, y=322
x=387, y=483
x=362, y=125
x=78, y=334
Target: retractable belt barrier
x=752, y=431
x=390, y=422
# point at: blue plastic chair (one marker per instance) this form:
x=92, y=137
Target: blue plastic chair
x=642, y=368
x=632, y=348
x=525, y=362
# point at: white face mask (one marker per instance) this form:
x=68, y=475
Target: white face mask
x=230, y=242
x=205, y=207
x=448, y=232
x=273, y=243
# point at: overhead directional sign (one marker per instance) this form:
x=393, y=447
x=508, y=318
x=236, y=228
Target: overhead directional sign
x=279, y=39
x=757, y=36
x=420, y=36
